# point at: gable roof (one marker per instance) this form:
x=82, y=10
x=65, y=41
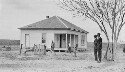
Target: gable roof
x=53, y=23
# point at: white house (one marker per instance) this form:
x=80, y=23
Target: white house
x=53, y=29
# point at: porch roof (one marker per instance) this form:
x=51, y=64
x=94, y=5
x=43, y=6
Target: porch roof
x=53, y=23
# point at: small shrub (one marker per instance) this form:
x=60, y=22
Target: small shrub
x=124, y=49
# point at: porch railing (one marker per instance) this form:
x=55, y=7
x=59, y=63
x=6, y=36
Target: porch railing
x=39, y=49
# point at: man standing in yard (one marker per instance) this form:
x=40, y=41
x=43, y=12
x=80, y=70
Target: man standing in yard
x=99, y=47
x=95, y=47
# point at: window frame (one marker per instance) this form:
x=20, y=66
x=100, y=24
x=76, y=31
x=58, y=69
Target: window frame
x=26, y=40
x=82, y=40
x=43, y=38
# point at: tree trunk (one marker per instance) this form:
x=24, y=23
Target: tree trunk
x=105, y=57
x=114, y=46
x=114, y=49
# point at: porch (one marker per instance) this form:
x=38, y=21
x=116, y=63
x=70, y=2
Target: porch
x=62, y=41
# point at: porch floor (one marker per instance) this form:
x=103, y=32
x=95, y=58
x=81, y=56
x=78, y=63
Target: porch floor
x=65, y=49
x=59, y=49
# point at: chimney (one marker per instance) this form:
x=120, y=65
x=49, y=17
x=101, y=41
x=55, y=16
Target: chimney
x=47, y=17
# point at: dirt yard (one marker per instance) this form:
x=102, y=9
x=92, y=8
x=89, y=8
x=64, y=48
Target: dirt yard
x=11, y=61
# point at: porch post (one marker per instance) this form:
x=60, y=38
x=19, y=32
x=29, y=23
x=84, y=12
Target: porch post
x=66, y=40
x=74, y=40
x=75, y=45
x=70, y=39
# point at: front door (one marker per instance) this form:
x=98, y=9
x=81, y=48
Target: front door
x=62, y=41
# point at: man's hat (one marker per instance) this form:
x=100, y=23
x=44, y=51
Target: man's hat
x=98, y=34
x=95, y=36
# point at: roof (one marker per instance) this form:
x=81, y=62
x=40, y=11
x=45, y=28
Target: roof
x=53, y=23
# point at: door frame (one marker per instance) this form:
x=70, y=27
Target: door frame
x=26, y=40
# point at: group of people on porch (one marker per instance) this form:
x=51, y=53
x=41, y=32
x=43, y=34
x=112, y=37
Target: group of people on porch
x=68, y=50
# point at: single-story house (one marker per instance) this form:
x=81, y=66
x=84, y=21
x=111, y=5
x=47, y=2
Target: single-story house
x=53, y=29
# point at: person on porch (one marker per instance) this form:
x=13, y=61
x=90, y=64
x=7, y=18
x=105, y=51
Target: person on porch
x=52, y=46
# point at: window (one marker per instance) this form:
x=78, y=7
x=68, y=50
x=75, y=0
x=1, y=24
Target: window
x=82, y=39
x=43, y=37
x=27, y=40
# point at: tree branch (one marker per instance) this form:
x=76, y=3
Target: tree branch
x=65, y=5
x=119, y=30
x=92, y=18
x=120, y=9
x=120, y=26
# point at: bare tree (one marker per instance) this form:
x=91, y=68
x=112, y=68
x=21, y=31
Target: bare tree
x=106, y=13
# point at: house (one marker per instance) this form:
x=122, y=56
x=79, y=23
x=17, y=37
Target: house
x=53, y=29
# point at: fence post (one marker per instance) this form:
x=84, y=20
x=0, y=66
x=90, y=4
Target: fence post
x=39, y=50
x=35, y=49
x=21, y=48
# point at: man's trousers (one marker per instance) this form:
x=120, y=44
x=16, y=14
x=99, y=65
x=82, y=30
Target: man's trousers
x=99, y=55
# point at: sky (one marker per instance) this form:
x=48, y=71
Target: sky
x=17, y=13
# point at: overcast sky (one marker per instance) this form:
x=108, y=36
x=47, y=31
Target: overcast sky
x=18, y=13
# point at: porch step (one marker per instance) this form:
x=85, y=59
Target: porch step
x=58, y=49
x=81, y=49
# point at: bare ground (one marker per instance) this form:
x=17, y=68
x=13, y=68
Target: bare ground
x=11, y=61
